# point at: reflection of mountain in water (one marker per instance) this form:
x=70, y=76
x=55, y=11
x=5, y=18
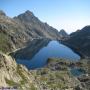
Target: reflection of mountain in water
x=35, y=55
x=28, y=52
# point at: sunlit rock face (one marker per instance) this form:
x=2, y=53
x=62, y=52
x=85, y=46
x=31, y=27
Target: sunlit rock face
x=13, y=75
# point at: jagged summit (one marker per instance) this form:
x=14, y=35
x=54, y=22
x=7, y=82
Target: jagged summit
x=2, y=13
x=29, y=12
x=36, y=26
x=27, y=16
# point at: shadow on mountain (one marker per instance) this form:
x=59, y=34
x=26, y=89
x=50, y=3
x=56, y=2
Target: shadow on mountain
x=31, y=50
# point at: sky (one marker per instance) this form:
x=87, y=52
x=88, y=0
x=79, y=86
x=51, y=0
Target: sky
x=69, y=15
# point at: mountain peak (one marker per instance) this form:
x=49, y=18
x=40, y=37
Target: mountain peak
x=29, y=13
x=63, y=33
x=86, y=27
x=27, y=16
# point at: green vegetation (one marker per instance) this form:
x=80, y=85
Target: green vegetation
x=4, y=43
x=11, y=82
x=20, y=72
x=55, y=76
x=32, y=87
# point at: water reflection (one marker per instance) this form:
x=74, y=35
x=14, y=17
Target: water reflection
x=36, y=54
x=31, y=50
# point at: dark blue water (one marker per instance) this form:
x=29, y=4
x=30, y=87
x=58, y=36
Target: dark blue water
x=41, y=54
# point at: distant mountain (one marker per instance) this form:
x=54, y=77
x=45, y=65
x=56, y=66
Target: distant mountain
x=80, y=40
x=15, y=33
x=63, y=33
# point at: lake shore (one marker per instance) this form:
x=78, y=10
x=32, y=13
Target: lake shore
x=57, y=75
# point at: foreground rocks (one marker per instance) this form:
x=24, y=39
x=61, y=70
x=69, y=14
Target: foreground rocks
x=13, y=75
x=54, y=76
x=57, y=76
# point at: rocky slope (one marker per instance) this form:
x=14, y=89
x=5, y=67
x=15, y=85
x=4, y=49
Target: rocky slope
x=15, y=33
x=35, y=27
x=55, y=76
x=15, y=76
x=80, y=41
x=12, y=34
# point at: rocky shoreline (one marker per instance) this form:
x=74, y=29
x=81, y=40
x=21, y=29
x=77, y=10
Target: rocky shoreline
x=56, y=75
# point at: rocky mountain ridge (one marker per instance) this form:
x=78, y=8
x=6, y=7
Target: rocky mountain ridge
x=37, y=27
x=13, y=75
x=80, y=41
x=16, y=32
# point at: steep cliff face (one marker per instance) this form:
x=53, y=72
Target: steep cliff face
x=80, y=40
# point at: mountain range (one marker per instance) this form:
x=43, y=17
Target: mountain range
x=18, y=31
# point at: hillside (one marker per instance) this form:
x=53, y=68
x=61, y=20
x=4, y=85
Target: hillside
x=80, y=41
x=55, y=76
x=35, y=27
x=15, y=76
x=15, y=33
x=12, y=34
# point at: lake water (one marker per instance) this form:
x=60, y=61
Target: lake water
x=36, y=54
